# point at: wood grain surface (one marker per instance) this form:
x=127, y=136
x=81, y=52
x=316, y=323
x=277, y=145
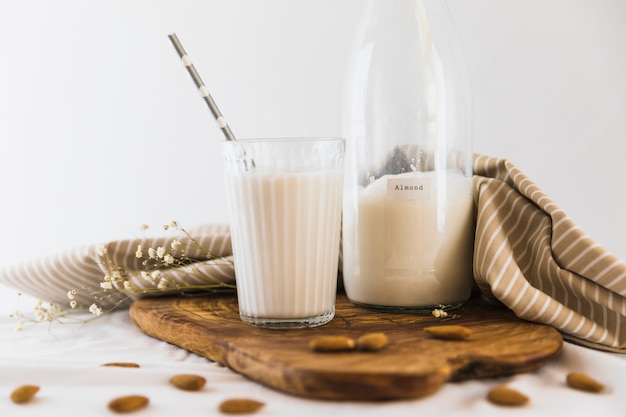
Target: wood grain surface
x=412, y=365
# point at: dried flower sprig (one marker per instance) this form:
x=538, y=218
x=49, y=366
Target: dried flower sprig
x=441, y=312
x=177, y=265
x=42, y=313
x=165, y=269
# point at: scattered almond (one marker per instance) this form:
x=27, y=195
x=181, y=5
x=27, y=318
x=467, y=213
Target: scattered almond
x=503, y=395
x=24, y=393
x=188, y=382
x=332, y=344
x=452, y=332
x=240, y=406
x=372, y=342
x=122, y=364
x=583, y=382
x=128, y=403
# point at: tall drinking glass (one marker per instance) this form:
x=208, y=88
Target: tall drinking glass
x=285, y=202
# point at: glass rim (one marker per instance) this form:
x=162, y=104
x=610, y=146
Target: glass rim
x=288, y=139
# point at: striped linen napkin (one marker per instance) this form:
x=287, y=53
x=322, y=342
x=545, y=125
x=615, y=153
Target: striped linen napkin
x=198, y=265
x=528, y=255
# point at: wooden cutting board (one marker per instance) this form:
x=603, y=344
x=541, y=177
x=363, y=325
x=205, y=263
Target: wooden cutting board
x=412, y=365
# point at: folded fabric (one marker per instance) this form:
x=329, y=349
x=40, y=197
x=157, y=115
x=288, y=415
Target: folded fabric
x=528, y=255
x=114, y=274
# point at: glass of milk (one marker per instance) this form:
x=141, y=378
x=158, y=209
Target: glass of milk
x=285, y=203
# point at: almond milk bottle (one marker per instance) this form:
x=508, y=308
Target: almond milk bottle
x=408, y=224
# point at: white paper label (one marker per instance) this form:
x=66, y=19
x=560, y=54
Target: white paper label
x=409, y=188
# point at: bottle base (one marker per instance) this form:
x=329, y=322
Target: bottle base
x=288, y=323
x=409, y=309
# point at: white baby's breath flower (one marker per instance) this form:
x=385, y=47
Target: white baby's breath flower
x=20, y=325
x=176, y=244
x=145, y=275
x=107, y=277
x=172, y=224
x=73, y=304
x=160, y=252
x=107, y=285
x=102, y=250
x=39, y=312
x=117, y=276
x=139, y=252
x=439, y=313
x=144, y=227
x=162, y=284
x=129, y=286
x=169, y=259
x=95, y=310
x=155, y=275
x=151, y=253
x=71, y=294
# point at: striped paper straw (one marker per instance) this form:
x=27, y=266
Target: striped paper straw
x=221, y=122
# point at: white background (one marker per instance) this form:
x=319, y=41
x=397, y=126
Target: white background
x=101, y=128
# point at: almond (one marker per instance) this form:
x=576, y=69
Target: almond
x=240, y=406
x=24, y=393
x=583, y=382
x=188, y=382
x=452, y=332
x=372, y=342
x=122, y=364
x=128, y=403
x=332, y=344
x=503, y=395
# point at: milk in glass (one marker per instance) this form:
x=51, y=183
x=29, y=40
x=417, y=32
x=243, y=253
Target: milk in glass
x=285, y=201
x=286, y=242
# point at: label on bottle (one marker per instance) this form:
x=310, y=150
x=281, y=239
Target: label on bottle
x=409, y=188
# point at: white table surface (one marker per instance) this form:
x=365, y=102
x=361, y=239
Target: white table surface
x=65, y=361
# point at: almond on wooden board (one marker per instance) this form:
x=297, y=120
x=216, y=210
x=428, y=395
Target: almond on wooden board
x=451, y=332
x=504, y=395
x=188, y=382
x=240, y=406
x=583, y=382
x=372, y=342
x=128, y=403
x=24, y=393
x=332, y=344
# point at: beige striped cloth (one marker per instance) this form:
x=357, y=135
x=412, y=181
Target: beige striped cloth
x=202, y=262
x=529, y=255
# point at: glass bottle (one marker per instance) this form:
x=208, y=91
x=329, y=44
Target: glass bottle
x=408, y=225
